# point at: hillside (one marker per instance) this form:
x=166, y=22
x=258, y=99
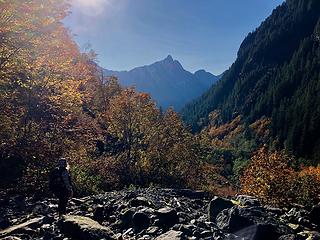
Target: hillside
x=276, y=75
x=167, y=82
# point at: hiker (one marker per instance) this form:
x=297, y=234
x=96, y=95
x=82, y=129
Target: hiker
x=60, y=184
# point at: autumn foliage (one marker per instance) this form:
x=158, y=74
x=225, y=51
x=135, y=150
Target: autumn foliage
x=56, y=102
x=140, y=145
x=268, y=176
x=271, y=178
x=41, y=74
x=306, y=185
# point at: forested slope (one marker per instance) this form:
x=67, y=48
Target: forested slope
x=277, y=75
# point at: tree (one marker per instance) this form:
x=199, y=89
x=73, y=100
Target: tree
x=41, y=73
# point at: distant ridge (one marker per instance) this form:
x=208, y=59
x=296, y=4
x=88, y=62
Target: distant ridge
x=167, y=82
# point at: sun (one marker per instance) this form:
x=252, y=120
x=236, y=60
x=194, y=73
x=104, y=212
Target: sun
x=92, y=7
x=91, y=3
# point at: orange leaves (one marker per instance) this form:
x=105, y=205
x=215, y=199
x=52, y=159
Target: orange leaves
x=144, y=96
x=310, y=171
x=261, y=128
x=141, y=144
x=130, y=119
x=41, y=72
x=307, y=186
x=270, y=178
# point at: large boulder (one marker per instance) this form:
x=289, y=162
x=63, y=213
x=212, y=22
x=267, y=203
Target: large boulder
x=24, y=227
x=230, y=220
x=125, y=217
x=140, y=220
x=253, y=222
x=216, y=205
x=167, y=217
x=84, y=228
x=171, y=235
x=140, y=201
x=98, y=213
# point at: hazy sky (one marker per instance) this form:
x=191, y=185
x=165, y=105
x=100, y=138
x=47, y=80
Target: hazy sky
x=201, y=34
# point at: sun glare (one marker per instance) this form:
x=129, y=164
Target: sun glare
x=92, y=7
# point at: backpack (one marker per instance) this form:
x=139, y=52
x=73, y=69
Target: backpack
x=55, y=181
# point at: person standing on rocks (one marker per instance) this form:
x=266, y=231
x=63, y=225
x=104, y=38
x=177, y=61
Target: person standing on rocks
x=61, y=185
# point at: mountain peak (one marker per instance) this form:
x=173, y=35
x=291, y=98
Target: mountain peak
x=169, y=61
x=168, y=58
x=166, y=81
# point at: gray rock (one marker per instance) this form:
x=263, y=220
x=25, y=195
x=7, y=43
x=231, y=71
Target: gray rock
x=83, y=228
x=23, y=227
x=77, y=201
x=206, y=234
x=11, y=238
x=309, y=235
x=152, y=230
x=187, y=229
x=216, y=205
x=40, y=208
x=140, y=201
x=140, y=220
x=274, y=210
x=167, y=217
x=253, y=222
x=145, y=237
x=178, y=217
x=98, y=213
x=249, y=201
x=171, y=235
x=126, y=218
x=288, y=237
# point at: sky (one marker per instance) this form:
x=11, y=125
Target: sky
x=200, y=34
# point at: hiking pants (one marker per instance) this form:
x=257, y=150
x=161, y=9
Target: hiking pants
x=62, y=204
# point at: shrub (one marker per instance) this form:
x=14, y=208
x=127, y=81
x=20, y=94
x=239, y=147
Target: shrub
x=269, y=177
x=306, y=186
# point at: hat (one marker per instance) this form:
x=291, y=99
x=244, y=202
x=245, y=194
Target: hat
x=62, y=162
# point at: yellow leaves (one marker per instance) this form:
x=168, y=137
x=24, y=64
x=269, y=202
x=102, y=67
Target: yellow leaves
x=270, y=178
x=41, y=72
x=48, y=21
x=149, y=145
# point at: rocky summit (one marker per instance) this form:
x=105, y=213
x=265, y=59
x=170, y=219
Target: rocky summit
x=160, y=214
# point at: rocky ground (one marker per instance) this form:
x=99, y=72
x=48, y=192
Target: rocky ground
x=155, y=214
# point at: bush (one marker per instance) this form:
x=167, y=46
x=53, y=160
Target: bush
x=271, y=178
x=85, y=181
x=306, y=186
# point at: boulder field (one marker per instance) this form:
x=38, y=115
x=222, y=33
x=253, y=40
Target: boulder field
x=161, y=214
